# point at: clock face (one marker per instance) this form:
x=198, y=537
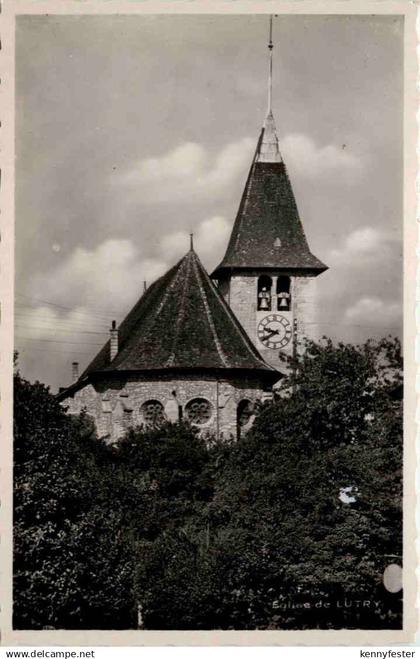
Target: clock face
x=274, y=331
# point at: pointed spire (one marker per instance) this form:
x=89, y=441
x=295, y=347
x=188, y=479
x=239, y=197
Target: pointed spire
x=191, y=242
x=270, y=66
x=268, y=232
x=269, y=148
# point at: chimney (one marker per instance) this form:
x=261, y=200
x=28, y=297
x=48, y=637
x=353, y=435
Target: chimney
x=113, y=340
x=74, y=371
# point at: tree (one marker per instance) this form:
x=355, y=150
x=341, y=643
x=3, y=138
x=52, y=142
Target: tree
x=72, y=563
x=289, y=527
x=305, y=512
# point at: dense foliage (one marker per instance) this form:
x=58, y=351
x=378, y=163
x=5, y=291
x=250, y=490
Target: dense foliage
x=290, y=527
x=71, y=564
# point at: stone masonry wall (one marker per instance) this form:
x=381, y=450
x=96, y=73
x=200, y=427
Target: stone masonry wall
x=116, y=404
x=243, y=302
x=242, y=297
x=305, y=310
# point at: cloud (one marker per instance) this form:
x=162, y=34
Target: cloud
x=187, y=172
x=375, y=312
x=364, y=243
x=109, y=278
x=90, y=288
x=86, y=291
x=363, y=286
x=210, y=238
x=305, y=158
x=365, y=240
x=105, y=277
x=52, y=324
x=185, y=160
x=55, y=337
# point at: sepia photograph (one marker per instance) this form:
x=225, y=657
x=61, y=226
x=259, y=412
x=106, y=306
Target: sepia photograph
x=208, y=399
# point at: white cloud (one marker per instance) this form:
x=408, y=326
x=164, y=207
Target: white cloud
x=184, y=160
x=47, y=322
x=96, y=286
x=361, y=244
x=92, y=287
x=187, y=172
x=106, y=277
x=374, y=311
x=303, y=157
x=366, y=239
x=102, y=283
x=57, y=337
x=212, y=236
x=174, y=245
x=210, y=239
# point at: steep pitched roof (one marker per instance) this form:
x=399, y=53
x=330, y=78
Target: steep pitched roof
x=181, y=322
x=268, y=232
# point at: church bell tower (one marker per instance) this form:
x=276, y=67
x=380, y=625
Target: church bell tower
x=267, y=274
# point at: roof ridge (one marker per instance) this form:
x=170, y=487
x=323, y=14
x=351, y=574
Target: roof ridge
x=160, y=307
x=179, y=324
x=180, y=316
x=253, y=351
x=209, y=317
x=247, y=191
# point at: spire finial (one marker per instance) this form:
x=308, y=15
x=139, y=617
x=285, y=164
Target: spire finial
x=268, y=150
x=270, y=64
x=191, y=242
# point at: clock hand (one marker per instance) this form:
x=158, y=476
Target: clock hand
x=271, y=331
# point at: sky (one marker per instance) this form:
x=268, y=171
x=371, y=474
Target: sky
x=133, y=131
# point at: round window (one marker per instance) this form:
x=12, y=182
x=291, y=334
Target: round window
x=153, y=413
x=198, y=411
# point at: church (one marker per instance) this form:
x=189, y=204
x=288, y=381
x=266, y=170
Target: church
x=207, y=348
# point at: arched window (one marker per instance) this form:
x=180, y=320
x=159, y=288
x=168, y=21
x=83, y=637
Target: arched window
x=283, y=293
x=198, y=411
x=153, y=413
x=264, y=293
x=244, y=413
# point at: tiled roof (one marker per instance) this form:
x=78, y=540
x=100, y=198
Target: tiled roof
x=268, y=232
x=181, y=322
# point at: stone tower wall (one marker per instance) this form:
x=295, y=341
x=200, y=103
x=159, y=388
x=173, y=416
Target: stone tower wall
x=241, y=295
x=242, y=298
x=306, y=312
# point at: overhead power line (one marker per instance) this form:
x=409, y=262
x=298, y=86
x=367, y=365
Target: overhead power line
x=67, y=351
x=82, y=316
x=105, y=313
x=374, y=327
x=53, y=330
x=62, y=322
x=30, y=338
